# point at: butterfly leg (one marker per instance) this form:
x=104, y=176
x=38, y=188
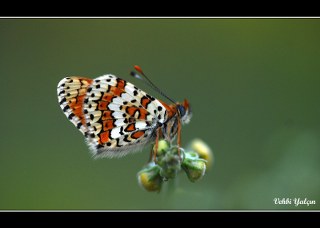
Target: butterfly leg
x=156, y=145
x=179, y=139
x=151, y=155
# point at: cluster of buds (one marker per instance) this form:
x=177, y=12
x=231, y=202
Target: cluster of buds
x=193, y=161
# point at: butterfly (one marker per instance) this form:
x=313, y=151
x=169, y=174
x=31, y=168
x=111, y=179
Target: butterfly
x=116, y=117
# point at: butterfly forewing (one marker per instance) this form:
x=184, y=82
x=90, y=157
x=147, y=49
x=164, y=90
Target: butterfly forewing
x=71, y=94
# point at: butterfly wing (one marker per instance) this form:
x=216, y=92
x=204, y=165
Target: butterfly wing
x=117, y=118
x=71, y=94
x=120, y=117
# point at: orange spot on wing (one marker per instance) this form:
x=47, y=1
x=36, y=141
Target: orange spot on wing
x=76, y=103
x=131, y=110
x=106, y=115
x=115, y=91
x=107, y=97
x=78, y=113
x=143, y=113
x=137, y=134
x=108, y=125
x=130, y=127
x=103, y=105
x=121, y=84
x=145, y=101
x=72, y=101
x=104, y=137
x=76, y=107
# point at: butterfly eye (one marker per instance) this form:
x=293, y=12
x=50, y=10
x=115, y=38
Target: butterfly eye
x=182, y=110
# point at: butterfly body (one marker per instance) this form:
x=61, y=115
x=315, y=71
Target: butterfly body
x=115, y=116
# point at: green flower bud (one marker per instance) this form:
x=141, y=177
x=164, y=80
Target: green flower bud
x=194, y=167
x=170, y=167
x=203, y=150
x=149, y=178
x=170, y=164
x=163, y=146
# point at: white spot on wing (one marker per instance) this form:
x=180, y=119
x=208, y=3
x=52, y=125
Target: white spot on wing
x=119, y=122
x=117, y=115
x=115, y=132
x=117, y=100
x=140, y=125
x=126, y=97
x=105, y=79
x=114, y=107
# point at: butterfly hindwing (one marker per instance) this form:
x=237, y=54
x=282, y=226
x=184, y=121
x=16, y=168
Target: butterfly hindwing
x=119, y=117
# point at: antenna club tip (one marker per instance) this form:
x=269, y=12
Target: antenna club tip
x=138, y=68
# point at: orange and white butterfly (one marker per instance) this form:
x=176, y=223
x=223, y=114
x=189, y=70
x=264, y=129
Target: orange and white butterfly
x=116, y=117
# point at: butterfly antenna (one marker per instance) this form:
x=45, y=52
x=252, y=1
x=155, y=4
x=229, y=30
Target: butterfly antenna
x=148, y=81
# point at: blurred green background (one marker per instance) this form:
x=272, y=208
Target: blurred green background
x=254, y=87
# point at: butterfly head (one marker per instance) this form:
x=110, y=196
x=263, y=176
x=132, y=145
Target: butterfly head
x=184, y=111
